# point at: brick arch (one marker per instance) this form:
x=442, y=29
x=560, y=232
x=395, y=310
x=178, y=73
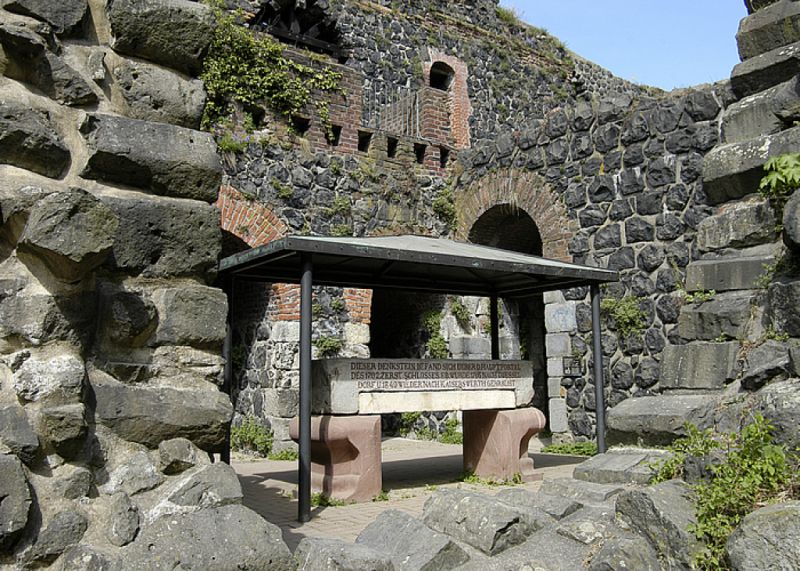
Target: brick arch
x=256, y=225
x=248, y=220
x=524, y=190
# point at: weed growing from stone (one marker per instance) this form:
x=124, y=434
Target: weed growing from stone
x=626, y=313
x=407, y=422
x=286, y=454
x=341, y=230
x=755, y=471
x=572, y=449
x=382, y=497
x=782, y=178
x=252, y=438
x=436, y=345
x=444, y=207
x=472, y=478
x=699, y=296
x=249, y=69
x=282, y=191
x=328, y=346
x=318, y=499
x=460, y=312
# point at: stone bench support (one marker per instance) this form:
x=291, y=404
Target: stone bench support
x=496, y=442
x=345, y=456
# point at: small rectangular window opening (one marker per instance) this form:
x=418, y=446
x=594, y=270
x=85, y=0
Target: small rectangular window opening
x=300, y=125
x=364, y=140
x=444, y=156
x=419, y=151
x=391, y=147
x=335, y=135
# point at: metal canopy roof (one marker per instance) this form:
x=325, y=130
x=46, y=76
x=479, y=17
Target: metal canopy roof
x=416, y=263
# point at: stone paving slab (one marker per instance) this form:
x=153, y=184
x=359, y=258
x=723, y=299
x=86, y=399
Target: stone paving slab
x=412, y=471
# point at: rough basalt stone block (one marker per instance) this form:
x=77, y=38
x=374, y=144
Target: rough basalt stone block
x=477, y=520
x=727, y=314
x=620, y=466
x=734, y=170
x=763, y=113
x=768, y=362
x=320, y=554
x=85, y=558
x=16, y=434
x=59, y=81
x=582, y=491
x=655, y=419
x=773, y=27
x=766, y=70
x=152, y=93
x=149, y=415
x=663, y=514
x=783, y=301
x=64, y=427
x=193, y=315
x=73, y=482
x=557, y=507
x=164, y=237
x=768, y=538
x=791, y=223
x=39, y=318
x=726, y=274
x=744, y=224
x=213, y=485
x=31, y=58
x=16, y=504
x=129, y=318
x=49, y=378
x=779, y=402
x=66, y=17
x=62, y=532
x=71, y=232
x=135, y=473
x=626, y=553
x=180, y=454
x=29, y=140
x=411, y=545
x=212, y=539
x=161, y=158
x=173, y=33
x=123, y=520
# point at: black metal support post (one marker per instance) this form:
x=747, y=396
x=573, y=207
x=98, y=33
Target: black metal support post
x=304, y=467
x=599, y=382
x=494, y=317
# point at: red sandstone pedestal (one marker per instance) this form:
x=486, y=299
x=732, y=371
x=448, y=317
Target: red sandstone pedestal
x=496, y=442
x=345, y=456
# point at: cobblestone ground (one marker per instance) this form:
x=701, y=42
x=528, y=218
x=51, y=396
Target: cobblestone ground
x=412, y=470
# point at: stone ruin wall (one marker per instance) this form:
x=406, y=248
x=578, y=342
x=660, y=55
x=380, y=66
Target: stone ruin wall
x=112, y=331
x=113, y=223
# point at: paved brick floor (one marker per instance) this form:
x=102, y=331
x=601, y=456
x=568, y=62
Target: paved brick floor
x=412, y=470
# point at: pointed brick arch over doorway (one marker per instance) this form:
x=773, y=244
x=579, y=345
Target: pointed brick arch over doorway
x=528, y=192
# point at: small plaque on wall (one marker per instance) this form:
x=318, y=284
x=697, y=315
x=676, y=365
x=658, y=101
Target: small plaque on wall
x=573, y=366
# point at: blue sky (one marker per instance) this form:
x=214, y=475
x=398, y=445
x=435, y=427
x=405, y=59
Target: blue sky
x=664, y=43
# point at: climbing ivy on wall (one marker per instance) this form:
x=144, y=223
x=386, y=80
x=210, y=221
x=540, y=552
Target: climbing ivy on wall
x=250, y=69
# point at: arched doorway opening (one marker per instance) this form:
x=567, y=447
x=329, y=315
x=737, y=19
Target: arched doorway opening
x=511, y=228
